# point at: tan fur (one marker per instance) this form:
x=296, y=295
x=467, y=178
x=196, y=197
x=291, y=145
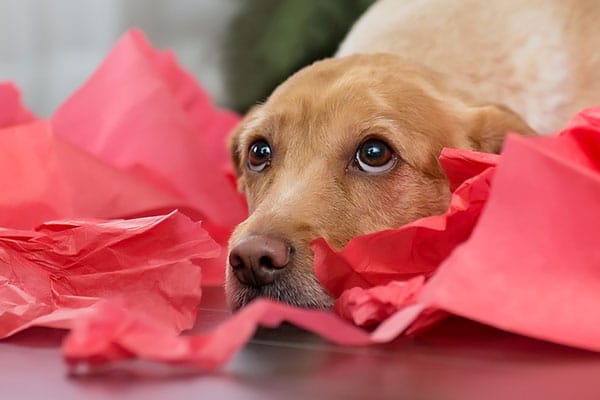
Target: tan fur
x=538, y=57
x=317, y=119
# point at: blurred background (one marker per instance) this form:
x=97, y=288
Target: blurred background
x=239, y=50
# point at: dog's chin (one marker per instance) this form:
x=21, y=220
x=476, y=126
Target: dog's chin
x=313, y=297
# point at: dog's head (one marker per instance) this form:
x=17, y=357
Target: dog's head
x=344, y=147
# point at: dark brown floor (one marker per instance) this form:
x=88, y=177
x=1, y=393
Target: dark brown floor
x=457, y=360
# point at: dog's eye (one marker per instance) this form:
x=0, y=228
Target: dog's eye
x=259, y=156
x=374, y=156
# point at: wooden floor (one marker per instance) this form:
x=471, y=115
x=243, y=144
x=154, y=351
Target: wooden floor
x=457, y=360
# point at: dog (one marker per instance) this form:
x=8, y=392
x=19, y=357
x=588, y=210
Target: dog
x=349, y=145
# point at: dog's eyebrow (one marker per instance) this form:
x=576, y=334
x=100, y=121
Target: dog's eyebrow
x=378, y=122
x=381, y=125
x=256, y=122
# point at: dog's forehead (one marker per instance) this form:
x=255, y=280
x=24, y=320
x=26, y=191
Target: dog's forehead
x=320, y=126
x=317, y=114
x=346, y=94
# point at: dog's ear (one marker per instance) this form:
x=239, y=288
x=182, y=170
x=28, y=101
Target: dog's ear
x=234, y=147
x=234, y=139
x=491, y=123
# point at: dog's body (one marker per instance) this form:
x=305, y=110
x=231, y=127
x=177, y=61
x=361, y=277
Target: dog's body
x=349, y=145
x=541, y=58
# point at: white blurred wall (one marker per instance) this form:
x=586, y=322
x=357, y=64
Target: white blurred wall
x=49, y=47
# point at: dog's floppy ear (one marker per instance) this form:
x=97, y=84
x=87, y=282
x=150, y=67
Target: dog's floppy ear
x=234, y=139
x=234, y=147
x=491, y=123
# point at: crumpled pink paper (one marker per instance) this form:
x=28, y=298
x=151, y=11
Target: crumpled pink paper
x=140, y=137
x=57, y=273
x=532, y=265
x=142, y=113
x=44, y=178
x=12, y=111
x=369, y=307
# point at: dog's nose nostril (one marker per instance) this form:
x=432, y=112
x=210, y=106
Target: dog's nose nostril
x=235, y=261
x=266, y=261
x=259, y=260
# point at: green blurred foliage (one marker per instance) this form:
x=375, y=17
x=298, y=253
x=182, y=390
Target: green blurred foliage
x=271, y=39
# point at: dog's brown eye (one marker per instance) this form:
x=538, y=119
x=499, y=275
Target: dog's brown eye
x=259, y=156
x=374, y=157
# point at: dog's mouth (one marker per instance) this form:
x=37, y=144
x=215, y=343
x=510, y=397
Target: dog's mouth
x=305, y=295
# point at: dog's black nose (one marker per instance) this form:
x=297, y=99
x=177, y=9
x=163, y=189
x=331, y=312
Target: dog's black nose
x=259, y=260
